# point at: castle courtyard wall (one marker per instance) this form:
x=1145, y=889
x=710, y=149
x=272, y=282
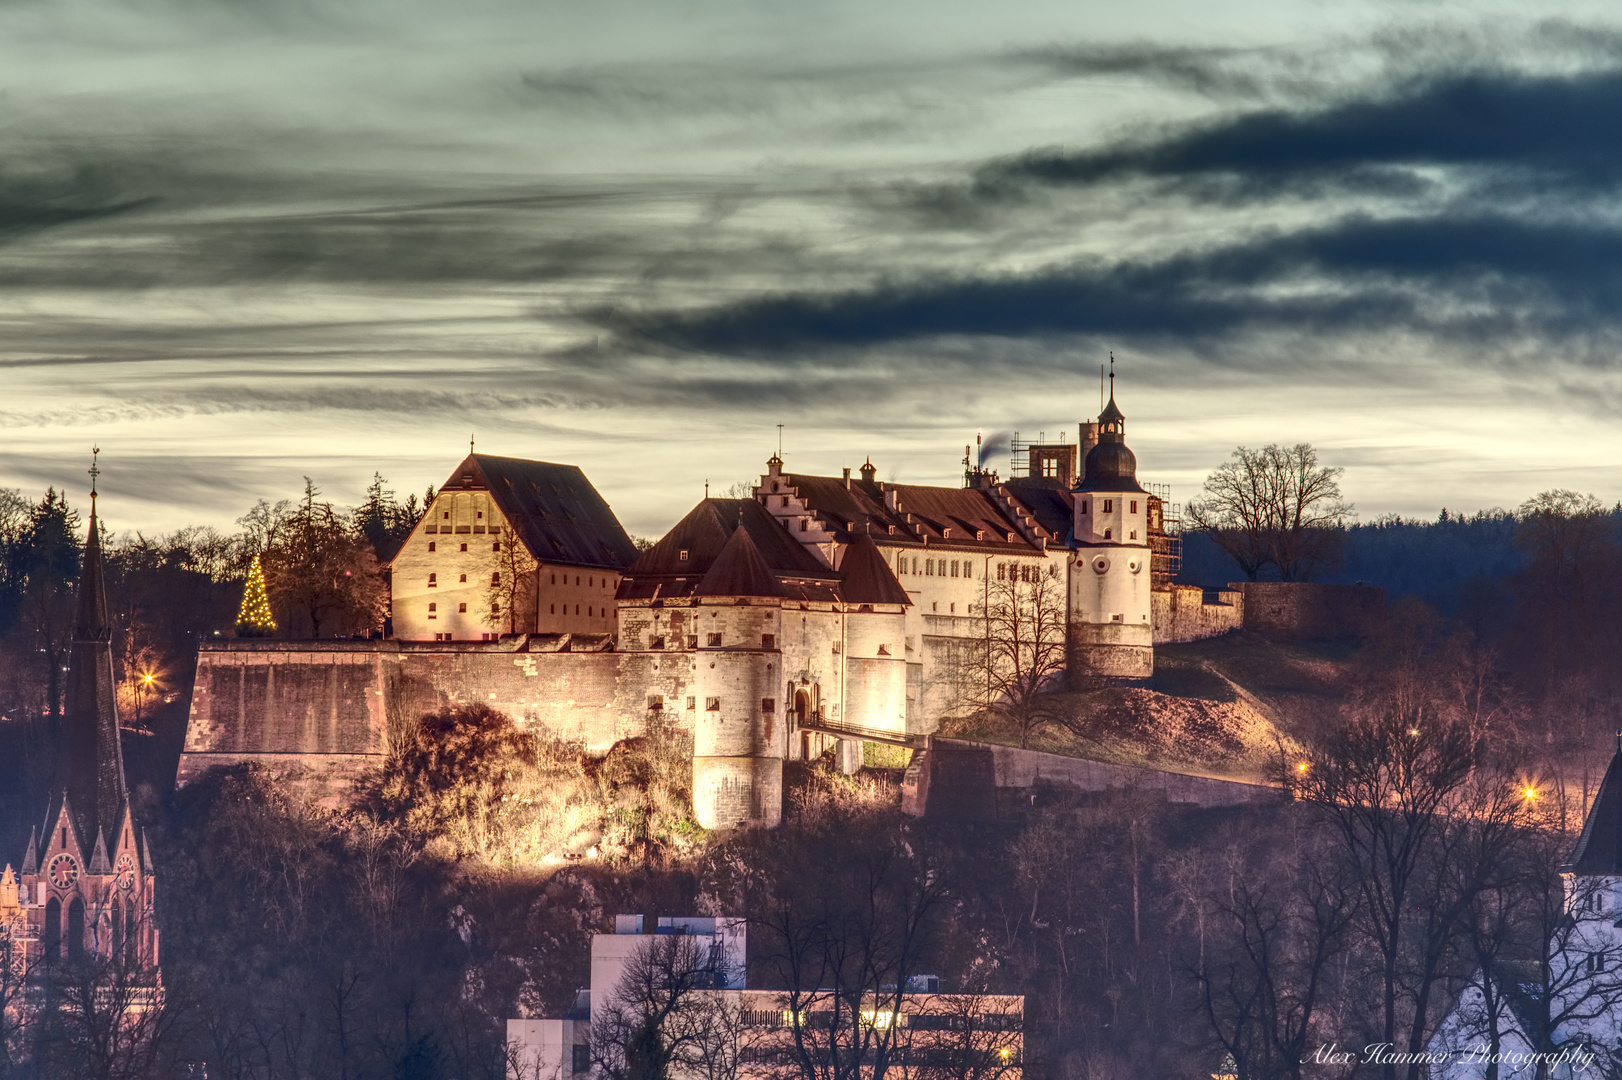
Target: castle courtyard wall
x=1189, y=613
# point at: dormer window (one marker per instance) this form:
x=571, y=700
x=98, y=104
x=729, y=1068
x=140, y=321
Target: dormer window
x=683, y=556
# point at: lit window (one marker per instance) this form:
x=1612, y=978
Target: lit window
x=683, y=554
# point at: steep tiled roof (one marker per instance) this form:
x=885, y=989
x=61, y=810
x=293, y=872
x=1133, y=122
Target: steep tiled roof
x=740, y=570
x=1599, y=848
x=554, y=510
x=1048, y=500
x=867, y=577
x=961, y=518
x=708, y=537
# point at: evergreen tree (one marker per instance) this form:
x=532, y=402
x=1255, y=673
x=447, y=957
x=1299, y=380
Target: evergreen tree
x=254, y=618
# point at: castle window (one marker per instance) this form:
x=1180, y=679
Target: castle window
x=577, y=609
x=712, y=704
x=1002, y=571
x=479, y=514
x=691, y=702
x=768, y=705
x=1084, y=506
x=954, y=568
x=589, y=611
x=462, y=579
x=768, y=641
x=430, y=545
x=683, y=554
x=966, y=565
x=785, y=500
x=805, y=523
x=433, y=581
x=1108, y=533
x=952, y=608
x=1134, y=506
x=656, y=643
x=495, y=609
x=464, y=547
x=577, y=582
x=495, y=546
x=929, y=567
x=461, y=607
x=884, y=650
x=495, y=578
x=447, y=515
x=1109, y=506
x=554, y=608
x=713, y=640
x=1133, y=535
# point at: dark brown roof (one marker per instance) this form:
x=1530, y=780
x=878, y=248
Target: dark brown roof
x=950, y=517
x=740, y=570
x=1599, y=848
x=709, y=537
x=1049, y=502
x=555, y=511
x=867, y=577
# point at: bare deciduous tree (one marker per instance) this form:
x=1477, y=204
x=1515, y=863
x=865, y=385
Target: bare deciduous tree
x=513, y=597
x=1009, y=671
x=1277, y=507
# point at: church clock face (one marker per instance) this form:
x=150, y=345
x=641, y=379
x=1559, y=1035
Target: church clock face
x=125, y=871
x=63, y=871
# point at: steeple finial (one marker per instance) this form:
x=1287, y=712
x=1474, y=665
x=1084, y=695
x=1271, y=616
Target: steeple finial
x=1112, y=375
x=95, y=452
x=470, y=442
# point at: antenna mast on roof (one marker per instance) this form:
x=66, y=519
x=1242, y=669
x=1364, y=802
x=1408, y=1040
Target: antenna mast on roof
x=779, y=442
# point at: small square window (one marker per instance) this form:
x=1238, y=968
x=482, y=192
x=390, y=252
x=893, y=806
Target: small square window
x=495, y=546
x=433, y=607
x=683, y=554
x=768, y=641
x=461, y=607
x=430, y=545
x=768, y=705
x=447, y=515
x=714, y=640
x=463, y=579
x=464, y=547
x=480, y=514
x=495, y=609
x=433, y=580
x=712, y=704
x=656, y=643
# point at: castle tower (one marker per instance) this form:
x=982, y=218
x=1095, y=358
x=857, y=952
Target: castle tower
x=1111, y=625
x=739, y=735
x=85, y=890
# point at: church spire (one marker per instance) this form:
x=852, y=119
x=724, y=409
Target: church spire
x=90, y=762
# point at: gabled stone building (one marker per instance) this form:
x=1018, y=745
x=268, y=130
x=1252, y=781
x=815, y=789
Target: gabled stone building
x=510, y=546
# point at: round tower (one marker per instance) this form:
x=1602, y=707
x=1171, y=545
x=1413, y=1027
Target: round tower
x=739, y=734
x=1111, y=627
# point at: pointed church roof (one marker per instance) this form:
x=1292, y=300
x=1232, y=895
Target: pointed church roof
x=868, y=578
x=1111, y=411
x=1599, y=848
x=740, y=570
x=89, y=778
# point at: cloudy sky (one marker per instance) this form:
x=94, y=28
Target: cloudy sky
x=246, y=241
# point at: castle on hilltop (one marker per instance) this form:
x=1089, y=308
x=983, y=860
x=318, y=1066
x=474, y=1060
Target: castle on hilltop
x=818, y=614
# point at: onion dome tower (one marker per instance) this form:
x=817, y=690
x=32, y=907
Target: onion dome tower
x=1111, y=620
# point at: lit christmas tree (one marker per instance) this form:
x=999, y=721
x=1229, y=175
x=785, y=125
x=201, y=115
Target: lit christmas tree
x=254, y=618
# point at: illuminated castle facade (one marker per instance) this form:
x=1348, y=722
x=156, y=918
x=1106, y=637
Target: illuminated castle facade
x=819, y=614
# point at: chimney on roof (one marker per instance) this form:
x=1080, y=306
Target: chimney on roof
x=847, y=479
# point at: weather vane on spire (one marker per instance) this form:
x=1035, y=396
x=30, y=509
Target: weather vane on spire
x=1112, y=374
x=94, y=470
